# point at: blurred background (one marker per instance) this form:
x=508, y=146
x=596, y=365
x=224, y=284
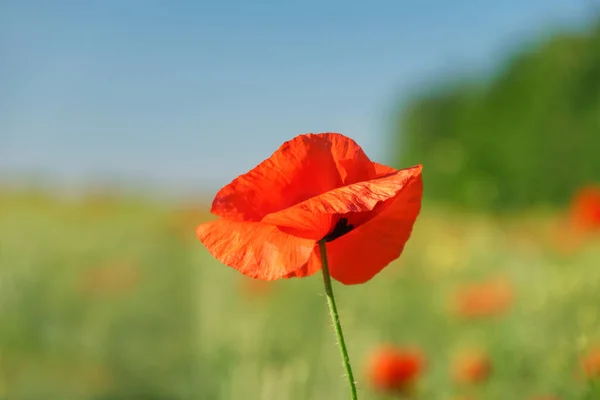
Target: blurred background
x=119, y=120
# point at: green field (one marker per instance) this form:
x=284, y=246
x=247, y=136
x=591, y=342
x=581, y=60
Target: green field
x=115, y=299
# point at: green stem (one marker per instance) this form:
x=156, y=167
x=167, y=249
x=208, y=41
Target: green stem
x=336, y=319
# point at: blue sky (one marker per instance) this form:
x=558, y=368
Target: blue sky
x=185, y=95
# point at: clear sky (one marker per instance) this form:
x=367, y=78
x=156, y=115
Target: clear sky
x=188, y=94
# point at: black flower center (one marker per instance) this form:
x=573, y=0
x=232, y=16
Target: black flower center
x=340, y=229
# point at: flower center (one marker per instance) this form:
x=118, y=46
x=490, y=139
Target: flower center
x=340, y=229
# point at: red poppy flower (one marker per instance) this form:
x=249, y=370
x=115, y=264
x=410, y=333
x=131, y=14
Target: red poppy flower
x=483, y=299
x=314, y=187
x=394, y=369
x=472, y=367
x=591, y=363
x=585, y=209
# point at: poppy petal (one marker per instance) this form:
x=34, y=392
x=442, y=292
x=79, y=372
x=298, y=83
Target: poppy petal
x=381, y=170
x=309, y=218
x=257, y=250
x=352, y=163
x=312, y=266
x=362, y=253
x=301, y=168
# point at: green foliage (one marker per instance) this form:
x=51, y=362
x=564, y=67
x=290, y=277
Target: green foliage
x=171, y=323
x=530, y=136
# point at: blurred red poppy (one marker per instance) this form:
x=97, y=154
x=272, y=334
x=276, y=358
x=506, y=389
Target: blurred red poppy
x=585, y=209
x=591, y=363
x=484, y=298
x=472, y=367
x=394, y=369
x=314, y=187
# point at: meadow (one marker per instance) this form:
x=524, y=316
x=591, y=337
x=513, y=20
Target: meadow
x=112, y=298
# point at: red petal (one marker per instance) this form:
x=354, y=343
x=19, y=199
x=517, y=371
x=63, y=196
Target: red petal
x=360, y=254
x=352, y=163
x=301, y=168
x=255, y=249
x=312, y=266
x=381, y=170
x=312, y=218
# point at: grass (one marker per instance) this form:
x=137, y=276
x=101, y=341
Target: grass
x=112, y=298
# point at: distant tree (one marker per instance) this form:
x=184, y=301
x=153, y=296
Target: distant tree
x=529, y=136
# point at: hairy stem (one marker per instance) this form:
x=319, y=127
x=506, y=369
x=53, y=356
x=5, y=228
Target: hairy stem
x=337, y=326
